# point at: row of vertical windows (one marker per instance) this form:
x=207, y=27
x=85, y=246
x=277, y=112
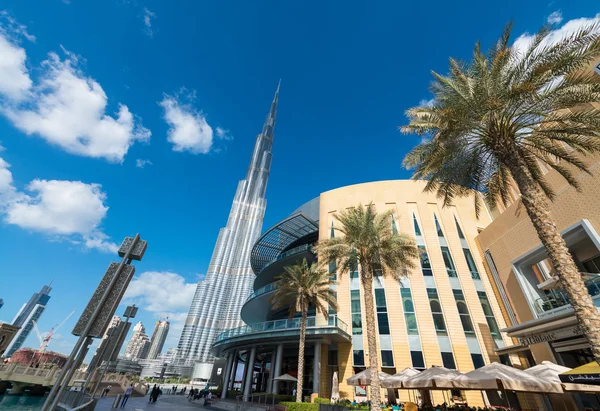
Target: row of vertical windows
x=425, y=263
x=382, y=317
x=359, y=358
x=387, y=358
x=489, y=314
x=463, y=312
x=355, y=311
x=409, y=311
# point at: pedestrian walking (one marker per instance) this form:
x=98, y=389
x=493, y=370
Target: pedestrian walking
x=126, y=395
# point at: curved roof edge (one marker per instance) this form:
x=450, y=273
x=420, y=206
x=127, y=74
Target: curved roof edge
x=277, y=238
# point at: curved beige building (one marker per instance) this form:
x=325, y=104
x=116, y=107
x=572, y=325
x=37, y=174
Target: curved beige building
x=444, y=313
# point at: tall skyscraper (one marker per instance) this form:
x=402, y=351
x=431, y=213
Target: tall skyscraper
x=219, y=297
x=157, y=342
x=29, y=312
x=139, y=344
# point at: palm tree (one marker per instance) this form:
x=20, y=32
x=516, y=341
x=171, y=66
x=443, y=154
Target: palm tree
x=301, y=286
x=368, y=242
x=498, y=120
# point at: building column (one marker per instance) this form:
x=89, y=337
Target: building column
x=277, y=369
x=317, y=368
x=226, y=376
x=236, y=363
x=271, y=372
x=249, y=373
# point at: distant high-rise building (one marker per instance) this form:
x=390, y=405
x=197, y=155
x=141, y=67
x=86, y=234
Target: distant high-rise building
x=139, y=344
x=159, y=336
x=219, y=297
x=30, y=312
x=1, y=302
x=111, y=343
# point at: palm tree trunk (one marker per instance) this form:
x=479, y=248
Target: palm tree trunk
x=537, y=207
x=300, y=384
x=367, y=283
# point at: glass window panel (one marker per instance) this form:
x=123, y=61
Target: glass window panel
x=448, y=360
x=489, y=314
x=477, y=360
x=467, y=324
x=425, y=263
x=416, y=223
x=460, y=233
x=359, y=358
x=438, y=227
x=417, y=359
x=471, y=264
x=440, y=326
x=356, y=324
x=505, y=359
x=355, y=301
x=408, y=305
x=448, y=262
x=387, y=358
x=380, y=299
x=384, y=325
x=394, y=227
x=435, y=306
x=411, y=324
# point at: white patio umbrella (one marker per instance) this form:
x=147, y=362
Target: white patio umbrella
x=364, y=378
x=396, y=380
x=286, y=377
x=335, y=388
x=496, y=376
x=432, y=378
x=550, y=371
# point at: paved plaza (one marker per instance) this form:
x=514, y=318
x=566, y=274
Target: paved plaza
x=175, y=403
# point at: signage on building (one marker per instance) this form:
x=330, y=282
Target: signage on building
x=551, y=335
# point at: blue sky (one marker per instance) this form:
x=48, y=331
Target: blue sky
x=125, y=116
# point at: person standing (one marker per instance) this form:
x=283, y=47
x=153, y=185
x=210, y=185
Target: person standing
x=126, y=395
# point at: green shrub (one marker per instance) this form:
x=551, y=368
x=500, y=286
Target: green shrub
x=322, y=401
x=300, y=406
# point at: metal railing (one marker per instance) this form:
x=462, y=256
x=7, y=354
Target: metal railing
x=280, y=325
x=295, y=250
x=263, y=290
x=558, y=298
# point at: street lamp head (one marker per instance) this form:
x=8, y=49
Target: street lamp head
x=138, y=249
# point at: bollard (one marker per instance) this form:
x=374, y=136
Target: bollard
x=116, y=401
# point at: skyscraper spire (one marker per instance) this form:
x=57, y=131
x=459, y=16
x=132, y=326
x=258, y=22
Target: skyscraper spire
x=219, y=297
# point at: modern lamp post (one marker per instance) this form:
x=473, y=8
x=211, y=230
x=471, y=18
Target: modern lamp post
x=100, y=309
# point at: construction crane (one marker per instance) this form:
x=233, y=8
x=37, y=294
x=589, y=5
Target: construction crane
x=45, y=340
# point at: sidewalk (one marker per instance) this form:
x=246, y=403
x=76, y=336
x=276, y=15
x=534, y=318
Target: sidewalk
x=175, y=403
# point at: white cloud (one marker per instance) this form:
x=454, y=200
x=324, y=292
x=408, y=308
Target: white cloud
x=428, y=103
x=568, y=29
x=69, y=110
x=148, y=16
x=69, y=210
x=141, y=163
x=555, y=17
x=66, y=107
x=10, y=26
x=188, y=128
x=223, y=134
x=14, y=77
x=163, y=294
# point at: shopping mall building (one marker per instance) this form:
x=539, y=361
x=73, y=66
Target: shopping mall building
x=445, y=312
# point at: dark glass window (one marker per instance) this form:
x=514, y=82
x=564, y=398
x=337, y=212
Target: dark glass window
x=505, y=359
x=359, y=358
x=463, y=311
x=460, y=233
x=448, y=360
x=354, y=274
x=477, y=360
x=387, y=358
x=416, y=223
x=436, y=312
x=417, y=359
x=448, y=262
x=384, y=325
x=333, y=270
x=331, y=311
x=489, y=315
x=356, y=324
x=411, y=323
x=394, y=227
x=471, y=264
x=438, y=227
x=425, y=263
x=409, y=311
x=380, y=300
